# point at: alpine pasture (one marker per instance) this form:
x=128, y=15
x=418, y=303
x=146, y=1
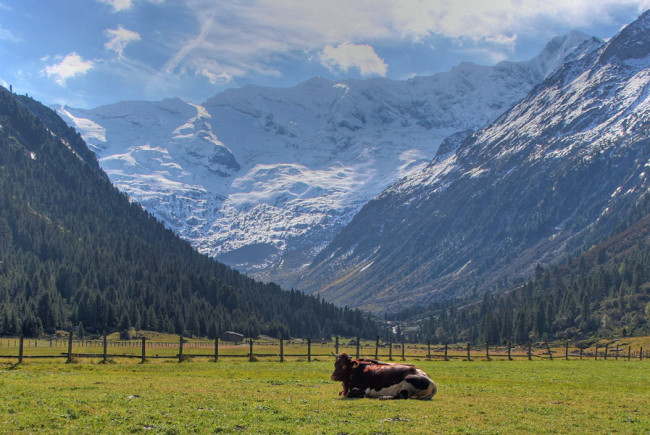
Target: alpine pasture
x=239, y=396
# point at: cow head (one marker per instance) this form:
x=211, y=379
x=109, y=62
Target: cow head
x=343, y=367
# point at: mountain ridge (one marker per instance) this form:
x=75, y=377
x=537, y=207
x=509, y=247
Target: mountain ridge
x=546, y=177
x=274, y=174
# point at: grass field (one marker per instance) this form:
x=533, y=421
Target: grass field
x=237, y=396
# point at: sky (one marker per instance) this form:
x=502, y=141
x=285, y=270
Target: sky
x=87, y=53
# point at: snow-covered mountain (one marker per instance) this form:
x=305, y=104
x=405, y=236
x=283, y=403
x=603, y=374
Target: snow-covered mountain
x=559, y=171
x=263, y=178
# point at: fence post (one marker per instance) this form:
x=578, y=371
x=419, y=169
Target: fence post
x=105, y=346
x=469, y=357
x=70, y=346
x=336, y=344
x=596, y=353
x=509, y=351
x=530, y=351
x=20, y=349
x=403, y=346
x=216, y=349
x=143, y=348
x=616, y=352
x=550, y=354
x=641, y=353
x=358, y=344
x=250, y=354
x=309, y=350
x=429, y=349
x=629, y=352
x=390, y=349
x=581, y=350
x=566, y=351
x=446, y=347
x=606, y=349
x=282, y=349
x=377, y=348
x=180, y=348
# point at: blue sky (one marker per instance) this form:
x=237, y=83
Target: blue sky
x=86, y=53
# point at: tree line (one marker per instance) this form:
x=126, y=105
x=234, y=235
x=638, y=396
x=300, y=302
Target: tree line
x=578, y=301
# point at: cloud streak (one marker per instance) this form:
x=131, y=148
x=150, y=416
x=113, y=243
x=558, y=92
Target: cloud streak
x=8, y=36
x=200, y=42
x=119, y=38
x=239, y=38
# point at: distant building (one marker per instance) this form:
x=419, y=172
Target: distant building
x=232, y=336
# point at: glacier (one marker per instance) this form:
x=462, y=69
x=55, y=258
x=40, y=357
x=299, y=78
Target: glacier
x=263, y=178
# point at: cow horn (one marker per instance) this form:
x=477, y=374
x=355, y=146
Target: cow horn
x=355, y=364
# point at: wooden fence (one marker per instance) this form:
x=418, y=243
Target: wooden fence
x=280, y=350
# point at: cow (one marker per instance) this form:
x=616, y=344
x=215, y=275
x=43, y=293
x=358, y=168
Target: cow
x=371, y=378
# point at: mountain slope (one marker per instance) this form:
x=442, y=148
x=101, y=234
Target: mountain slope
x=603, y=293
x=263, y=178
x=73, y=250
x=551, y=175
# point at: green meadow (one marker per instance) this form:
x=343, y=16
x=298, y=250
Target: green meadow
x=238, y=396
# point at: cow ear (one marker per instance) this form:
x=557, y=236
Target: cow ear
x=355, y=364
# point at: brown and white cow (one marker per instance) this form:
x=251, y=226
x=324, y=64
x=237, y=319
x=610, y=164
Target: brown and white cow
x=371, y=378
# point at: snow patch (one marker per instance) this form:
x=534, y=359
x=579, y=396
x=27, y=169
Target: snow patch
x=90, y=130
x=367, y=266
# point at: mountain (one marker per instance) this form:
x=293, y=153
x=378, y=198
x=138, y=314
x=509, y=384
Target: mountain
x=264, y=178
x=552, y=175
x=74, y=251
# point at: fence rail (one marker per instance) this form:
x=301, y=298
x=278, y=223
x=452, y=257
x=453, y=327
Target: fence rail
x=20, y=348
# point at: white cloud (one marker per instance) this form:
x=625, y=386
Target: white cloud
x=119, y=39
x=502, y=40
x=495, y=21
x=346, y=56
x=118, y=5
x=215, y=78
x=71, y=65
x=124, y=5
